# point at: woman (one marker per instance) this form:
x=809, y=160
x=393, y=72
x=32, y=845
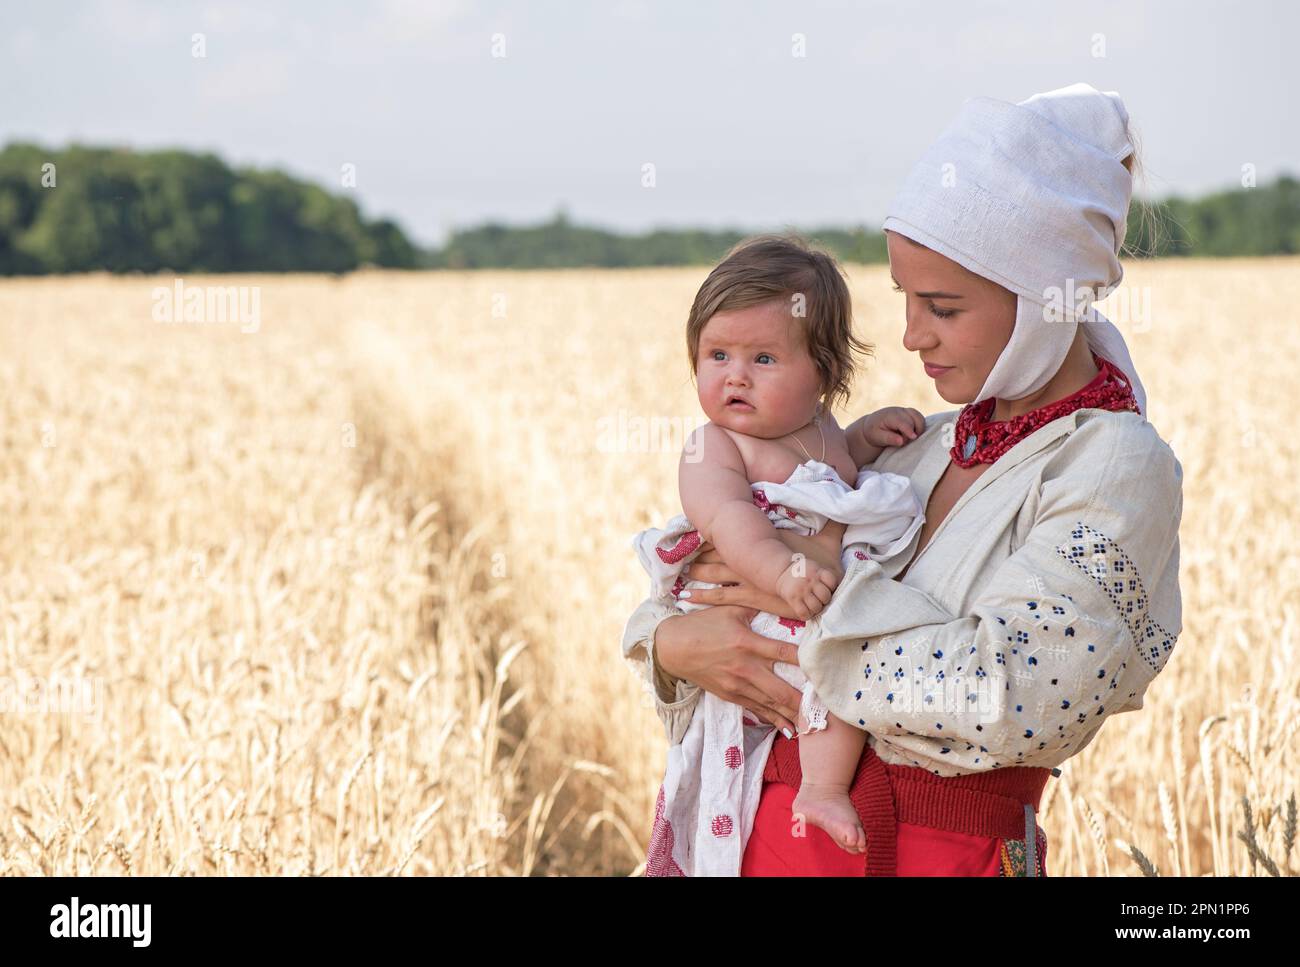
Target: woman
x=1041, y=595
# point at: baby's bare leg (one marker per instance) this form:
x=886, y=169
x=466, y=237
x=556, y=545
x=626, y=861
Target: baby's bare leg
x=829, y=761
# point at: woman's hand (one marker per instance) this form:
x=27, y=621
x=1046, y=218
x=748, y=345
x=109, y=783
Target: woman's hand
x=716, y=649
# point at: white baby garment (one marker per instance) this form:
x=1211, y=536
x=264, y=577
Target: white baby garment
x=714, y=776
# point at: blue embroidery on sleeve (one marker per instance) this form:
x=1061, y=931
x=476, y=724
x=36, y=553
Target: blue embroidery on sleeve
x=1099, y=557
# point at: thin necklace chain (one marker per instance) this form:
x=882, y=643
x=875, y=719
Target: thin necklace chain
x=818, y=423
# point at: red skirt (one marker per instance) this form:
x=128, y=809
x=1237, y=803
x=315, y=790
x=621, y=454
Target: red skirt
x=917, y=823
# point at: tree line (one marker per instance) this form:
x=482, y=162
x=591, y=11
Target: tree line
x=1246, y=221
x=121, y=210
x=115, y=209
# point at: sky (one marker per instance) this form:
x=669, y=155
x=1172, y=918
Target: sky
x=754, y=115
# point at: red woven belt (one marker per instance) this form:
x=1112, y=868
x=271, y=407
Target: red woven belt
x=988, y=804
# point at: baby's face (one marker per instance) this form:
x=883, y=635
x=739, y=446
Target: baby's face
x=754, y=374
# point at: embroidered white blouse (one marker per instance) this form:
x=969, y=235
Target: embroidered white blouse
x=1046, y=601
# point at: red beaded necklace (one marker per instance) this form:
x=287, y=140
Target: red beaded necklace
x=983, y=440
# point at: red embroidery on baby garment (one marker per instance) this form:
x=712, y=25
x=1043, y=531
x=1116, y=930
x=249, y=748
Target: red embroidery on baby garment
x=659, y=856
x=686, y=544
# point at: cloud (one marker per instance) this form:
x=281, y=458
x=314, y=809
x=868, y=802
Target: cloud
x=134, y=23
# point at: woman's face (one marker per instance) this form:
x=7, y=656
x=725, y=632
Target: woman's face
x=958, y=322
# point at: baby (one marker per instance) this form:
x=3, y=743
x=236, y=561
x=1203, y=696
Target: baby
x=771, y=346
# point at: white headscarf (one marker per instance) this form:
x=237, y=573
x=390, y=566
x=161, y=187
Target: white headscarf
x=1034, y=197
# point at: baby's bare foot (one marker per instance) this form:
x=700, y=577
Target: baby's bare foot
x=828, y=807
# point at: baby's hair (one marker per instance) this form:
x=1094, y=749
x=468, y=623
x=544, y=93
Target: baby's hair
x=766, y=267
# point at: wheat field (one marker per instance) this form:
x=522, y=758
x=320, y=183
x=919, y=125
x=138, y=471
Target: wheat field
x=344, y=594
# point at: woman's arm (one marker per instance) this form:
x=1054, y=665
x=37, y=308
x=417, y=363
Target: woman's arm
x=1068, y=630
x=674, y=700
x=713, y=649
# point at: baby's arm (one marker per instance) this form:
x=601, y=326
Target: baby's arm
x=862, y=452
x=717, y=499
x=825, y=546
x=867, y=436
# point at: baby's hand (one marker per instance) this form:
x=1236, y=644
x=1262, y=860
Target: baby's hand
x=893, y=426
x=807, y=586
